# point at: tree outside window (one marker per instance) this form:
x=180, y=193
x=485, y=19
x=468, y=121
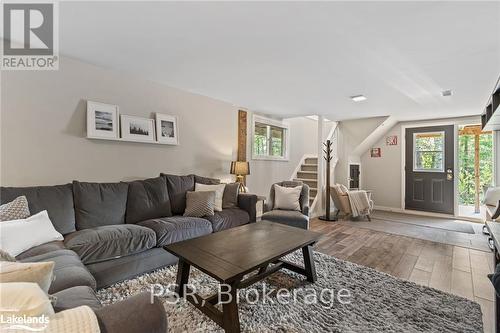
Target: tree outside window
x=269, y=140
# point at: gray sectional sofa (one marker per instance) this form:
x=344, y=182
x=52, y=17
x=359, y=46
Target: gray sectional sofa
x=115, y=231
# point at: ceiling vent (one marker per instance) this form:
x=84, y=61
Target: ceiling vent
x=446, y=93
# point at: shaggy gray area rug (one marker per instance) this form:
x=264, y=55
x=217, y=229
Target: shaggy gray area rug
x=379, y=302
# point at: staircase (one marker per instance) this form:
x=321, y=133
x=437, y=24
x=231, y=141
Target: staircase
x=308, y=174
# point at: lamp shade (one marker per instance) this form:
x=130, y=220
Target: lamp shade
x=240, y=168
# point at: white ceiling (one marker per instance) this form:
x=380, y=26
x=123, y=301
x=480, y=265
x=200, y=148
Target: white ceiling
x=301, y=58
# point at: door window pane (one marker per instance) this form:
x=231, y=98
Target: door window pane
x=428, y=151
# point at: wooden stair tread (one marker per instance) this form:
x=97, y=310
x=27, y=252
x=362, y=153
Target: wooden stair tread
x=306, y=180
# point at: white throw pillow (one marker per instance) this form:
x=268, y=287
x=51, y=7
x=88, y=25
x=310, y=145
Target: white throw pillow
x=287, y=198
x=81, y=319
x=24, y=298
x=40, y=273
x=219, y=193
x=492, y=196
x=17, y=236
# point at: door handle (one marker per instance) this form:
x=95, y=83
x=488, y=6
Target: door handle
x=449, y=174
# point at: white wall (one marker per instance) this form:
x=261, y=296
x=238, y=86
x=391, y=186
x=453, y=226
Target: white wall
x=303, y=140
x=43, y=117
x=351, y=134
x=383, y=175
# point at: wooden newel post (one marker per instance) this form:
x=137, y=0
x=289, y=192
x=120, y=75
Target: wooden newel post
x=328, y=157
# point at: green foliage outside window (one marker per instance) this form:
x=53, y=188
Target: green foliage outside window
x=429, y=151
x=466, y=184
x=269, y=140
x=260, y=139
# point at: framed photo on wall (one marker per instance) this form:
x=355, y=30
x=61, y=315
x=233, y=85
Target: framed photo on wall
x=137, y=128
x=376, y=152
x=166, y=129
x=102, y=120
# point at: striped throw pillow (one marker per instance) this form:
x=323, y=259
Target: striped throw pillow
x=199, y=204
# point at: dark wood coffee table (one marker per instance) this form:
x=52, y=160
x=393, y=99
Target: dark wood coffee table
x=229, y=255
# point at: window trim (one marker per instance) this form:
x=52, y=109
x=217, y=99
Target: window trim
x=275, y=123
x=441, y=151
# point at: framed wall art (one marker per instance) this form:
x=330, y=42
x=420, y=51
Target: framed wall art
x=137, y=128
x=166, y=129
x=102, y=120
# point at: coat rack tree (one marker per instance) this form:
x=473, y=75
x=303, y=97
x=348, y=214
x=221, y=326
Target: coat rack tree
x=328, y=157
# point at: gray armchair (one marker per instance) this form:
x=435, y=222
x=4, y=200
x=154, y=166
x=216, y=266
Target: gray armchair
x=294, y=218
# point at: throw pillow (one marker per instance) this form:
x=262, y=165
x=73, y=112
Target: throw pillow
x=81, y=319
x=287, y=198
x=15, y=210
x=492, y=196
x=40, y=273
x=18, y=236
x=230, y=196
x=219, y=193
x=24, y=299
x=199, y=204
x=5, y=256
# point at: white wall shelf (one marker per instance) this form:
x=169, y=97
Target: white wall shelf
x=127, y=140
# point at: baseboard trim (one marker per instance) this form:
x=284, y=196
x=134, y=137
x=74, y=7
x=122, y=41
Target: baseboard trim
x=422, y=213
x=388, y=209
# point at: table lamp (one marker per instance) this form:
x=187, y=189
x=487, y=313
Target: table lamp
x=240, y=169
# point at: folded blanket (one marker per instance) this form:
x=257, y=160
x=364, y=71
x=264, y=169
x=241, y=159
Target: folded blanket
x=360, y=204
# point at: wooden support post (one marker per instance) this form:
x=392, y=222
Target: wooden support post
x=242, y=138
x=476, y=172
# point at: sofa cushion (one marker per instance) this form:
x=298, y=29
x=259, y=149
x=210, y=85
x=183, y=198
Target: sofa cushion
x=56, y=200
x=110, y=242
x=74, y=297
x=177, y=188
x=206, y=180
x=147, y=199
x=41, y=249
x=98, y=204
x=228, y=218
x=110, y=272
x=177, y=228
x=292, y=218
x=69, y=270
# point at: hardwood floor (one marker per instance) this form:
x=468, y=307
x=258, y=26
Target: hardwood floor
x=451, y=268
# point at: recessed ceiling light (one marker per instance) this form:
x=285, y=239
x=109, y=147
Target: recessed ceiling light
x=446, y=92
x=358, y=98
